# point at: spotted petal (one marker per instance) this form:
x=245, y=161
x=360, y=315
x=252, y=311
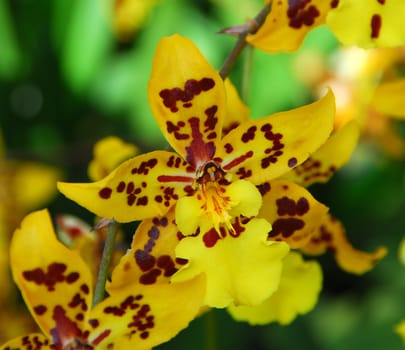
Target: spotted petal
x=243, y=268
x=389, y=98
x=141, y=317
x=187, y=97
x=151, y=259
x=139, y=188
x=266, y=148
x=292, y=211
x=288, y=23
x=375, y=23
x=35, y=341
x=54, y=281
x=331, y=236
x=300, y=285
x=332, y=155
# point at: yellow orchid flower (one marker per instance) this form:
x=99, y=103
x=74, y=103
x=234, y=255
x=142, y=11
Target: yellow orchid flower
x=109, y=152
x=57, y=287
x=215, y=183
x=300, y=285
x=365, y=23
x=288, y=23
x=308, y=231
x=400, y=329
x=129, y=16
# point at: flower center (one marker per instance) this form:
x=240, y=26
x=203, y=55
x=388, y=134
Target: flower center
x=211, y=182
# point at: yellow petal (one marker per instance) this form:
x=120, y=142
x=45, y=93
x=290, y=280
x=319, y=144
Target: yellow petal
x=139, y=188
x=401, y=251
x=243, y=269
x=34, y=184
x=187, y=97
x=245, y=197
x=151, y=259
x=288, y=23
x=268, y=147
x=32, y=341
x=189, y=214
x=389, y=98
x=331, y=156
x=300, y=285
x=365, y=23
x=109, y=152
x=292, y=211
x=237, y=112
x=141, y=317
x=54, y=281
x=331, y=236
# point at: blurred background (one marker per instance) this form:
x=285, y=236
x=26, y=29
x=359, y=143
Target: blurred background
x=75, y=71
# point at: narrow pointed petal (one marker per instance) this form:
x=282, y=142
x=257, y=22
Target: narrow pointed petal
x=389, y=98
x=331, y=236
x=288, y=23
x=237, y=111
x=187, y=97
x=243, y=268
x=141, y=317
x=266, y=148
x=151, y=259
x=331, y=156
x=109, y=152
x=35, y=341
x=367, y=23
x=54, y=281
x=139, y=188
x=300, y=285
x=292, y=211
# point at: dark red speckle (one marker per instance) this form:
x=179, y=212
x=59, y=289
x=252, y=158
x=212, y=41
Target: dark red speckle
x=287, y=206
x=105, y=193
x=375, y=26
x=382, y=2
x=210, y=238
x=191, y=89
x=334, y=3
x=40, y=309
x=286, y=227
x=299, y=15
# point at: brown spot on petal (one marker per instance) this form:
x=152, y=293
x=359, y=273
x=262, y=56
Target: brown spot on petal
x=334, y=3
x=40, y=309
x=210, y=238
x=105, y=193
x=286, y=227
x=376, y=23
x=287, y=206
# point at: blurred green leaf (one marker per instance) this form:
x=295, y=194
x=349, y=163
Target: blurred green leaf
x=10, y=57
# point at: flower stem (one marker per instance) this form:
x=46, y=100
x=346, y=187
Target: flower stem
x=99, y=290
x=247, y=73
x=250, y=28
x=210, y=331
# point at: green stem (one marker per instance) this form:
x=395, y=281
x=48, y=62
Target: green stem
x=247, y=73
x=241, y=42
x=99, y=291
x=210, y=331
